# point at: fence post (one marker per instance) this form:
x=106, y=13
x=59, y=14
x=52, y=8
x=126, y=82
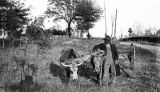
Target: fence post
x=134, y=52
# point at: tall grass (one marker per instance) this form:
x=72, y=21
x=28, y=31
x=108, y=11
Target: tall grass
x=50, y=76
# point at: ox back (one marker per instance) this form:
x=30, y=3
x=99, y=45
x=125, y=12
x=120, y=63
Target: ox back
x=68, y=53
x=101, y=46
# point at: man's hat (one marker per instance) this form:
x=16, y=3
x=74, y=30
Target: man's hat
x=107, y=38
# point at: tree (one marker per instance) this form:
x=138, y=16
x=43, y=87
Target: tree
x=84, y=26
x=62, y=10
x=36, y=33
x=148, y=32
x=35, y=30
x=13, y=16
x=73, y=11
x=16, y=17
x=88, y=35
x=87, y=13
x=138, y=28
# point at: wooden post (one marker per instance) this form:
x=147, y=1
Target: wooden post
x=105, y=17
x=115, y=25
x=112, y=28
x=134, y=52
x=3, y=33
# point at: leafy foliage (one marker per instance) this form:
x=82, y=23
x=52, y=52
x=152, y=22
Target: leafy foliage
x=5, y=3
x=36, y=33
x=88, y=13
x=16, y=17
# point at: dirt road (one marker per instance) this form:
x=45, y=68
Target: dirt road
x=154, y=49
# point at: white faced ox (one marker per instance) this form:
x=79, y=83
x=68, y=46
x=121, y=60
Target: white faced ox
x=73, y=65
x=98, y=62
x=67, y=60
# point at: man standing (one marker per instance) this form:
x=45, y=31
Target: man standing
x=131, y=56
x=113, y=68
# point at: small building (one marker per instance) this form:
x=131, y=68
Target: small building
x=3, y=34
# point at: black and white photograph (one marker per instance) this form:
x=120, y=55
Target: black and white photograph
x=79, y=45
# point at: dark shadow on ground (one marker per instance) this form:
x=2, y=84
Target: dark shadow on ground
x=145, y=53
x=87, y=72
x=26, y=85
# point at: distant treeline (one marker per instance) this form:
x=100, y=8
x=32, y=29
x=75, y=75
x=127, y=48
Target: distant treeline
x=57, y=32
x=153, y=39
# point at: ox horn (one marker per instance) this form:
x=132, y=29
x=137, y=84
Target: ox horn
x=65, y=65
x=83, y=59
x=78, y=61
x=81, y=62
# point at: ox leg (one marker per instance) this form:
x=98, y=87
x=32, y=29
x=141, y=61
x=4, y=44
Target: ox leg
x=102, y=69
x=92, y=63
x=67, y=72
x=98, y=78
x=101, y=76
x=101, y=73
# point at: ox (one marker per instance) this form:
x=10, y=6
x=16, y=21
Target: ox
x=70, y=59
x=98, y=61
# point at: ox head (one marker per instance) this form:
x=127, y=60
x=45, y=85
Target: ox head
x=98, y=64
x=97, y=60
x=73, y=65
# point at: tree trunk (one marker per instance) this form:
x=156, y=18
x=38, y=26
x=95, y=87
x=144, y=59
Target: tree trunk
x=69, y=30
x=81, y=34
x=88, y=35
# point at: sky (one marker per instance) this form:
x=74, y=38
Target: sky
x=129, y=12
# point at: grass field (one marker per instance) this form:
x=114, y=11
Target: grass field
x=50, y=76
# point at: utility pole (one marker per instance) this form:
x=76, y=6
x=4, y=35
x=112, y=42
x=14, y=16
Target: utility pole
x=105, y=18
x=115, y=25
x=112, y=28
x=121, y=33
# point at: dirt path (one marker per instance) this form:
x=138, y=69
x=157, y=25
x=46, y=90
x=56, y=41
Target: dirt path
x=154, y=49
